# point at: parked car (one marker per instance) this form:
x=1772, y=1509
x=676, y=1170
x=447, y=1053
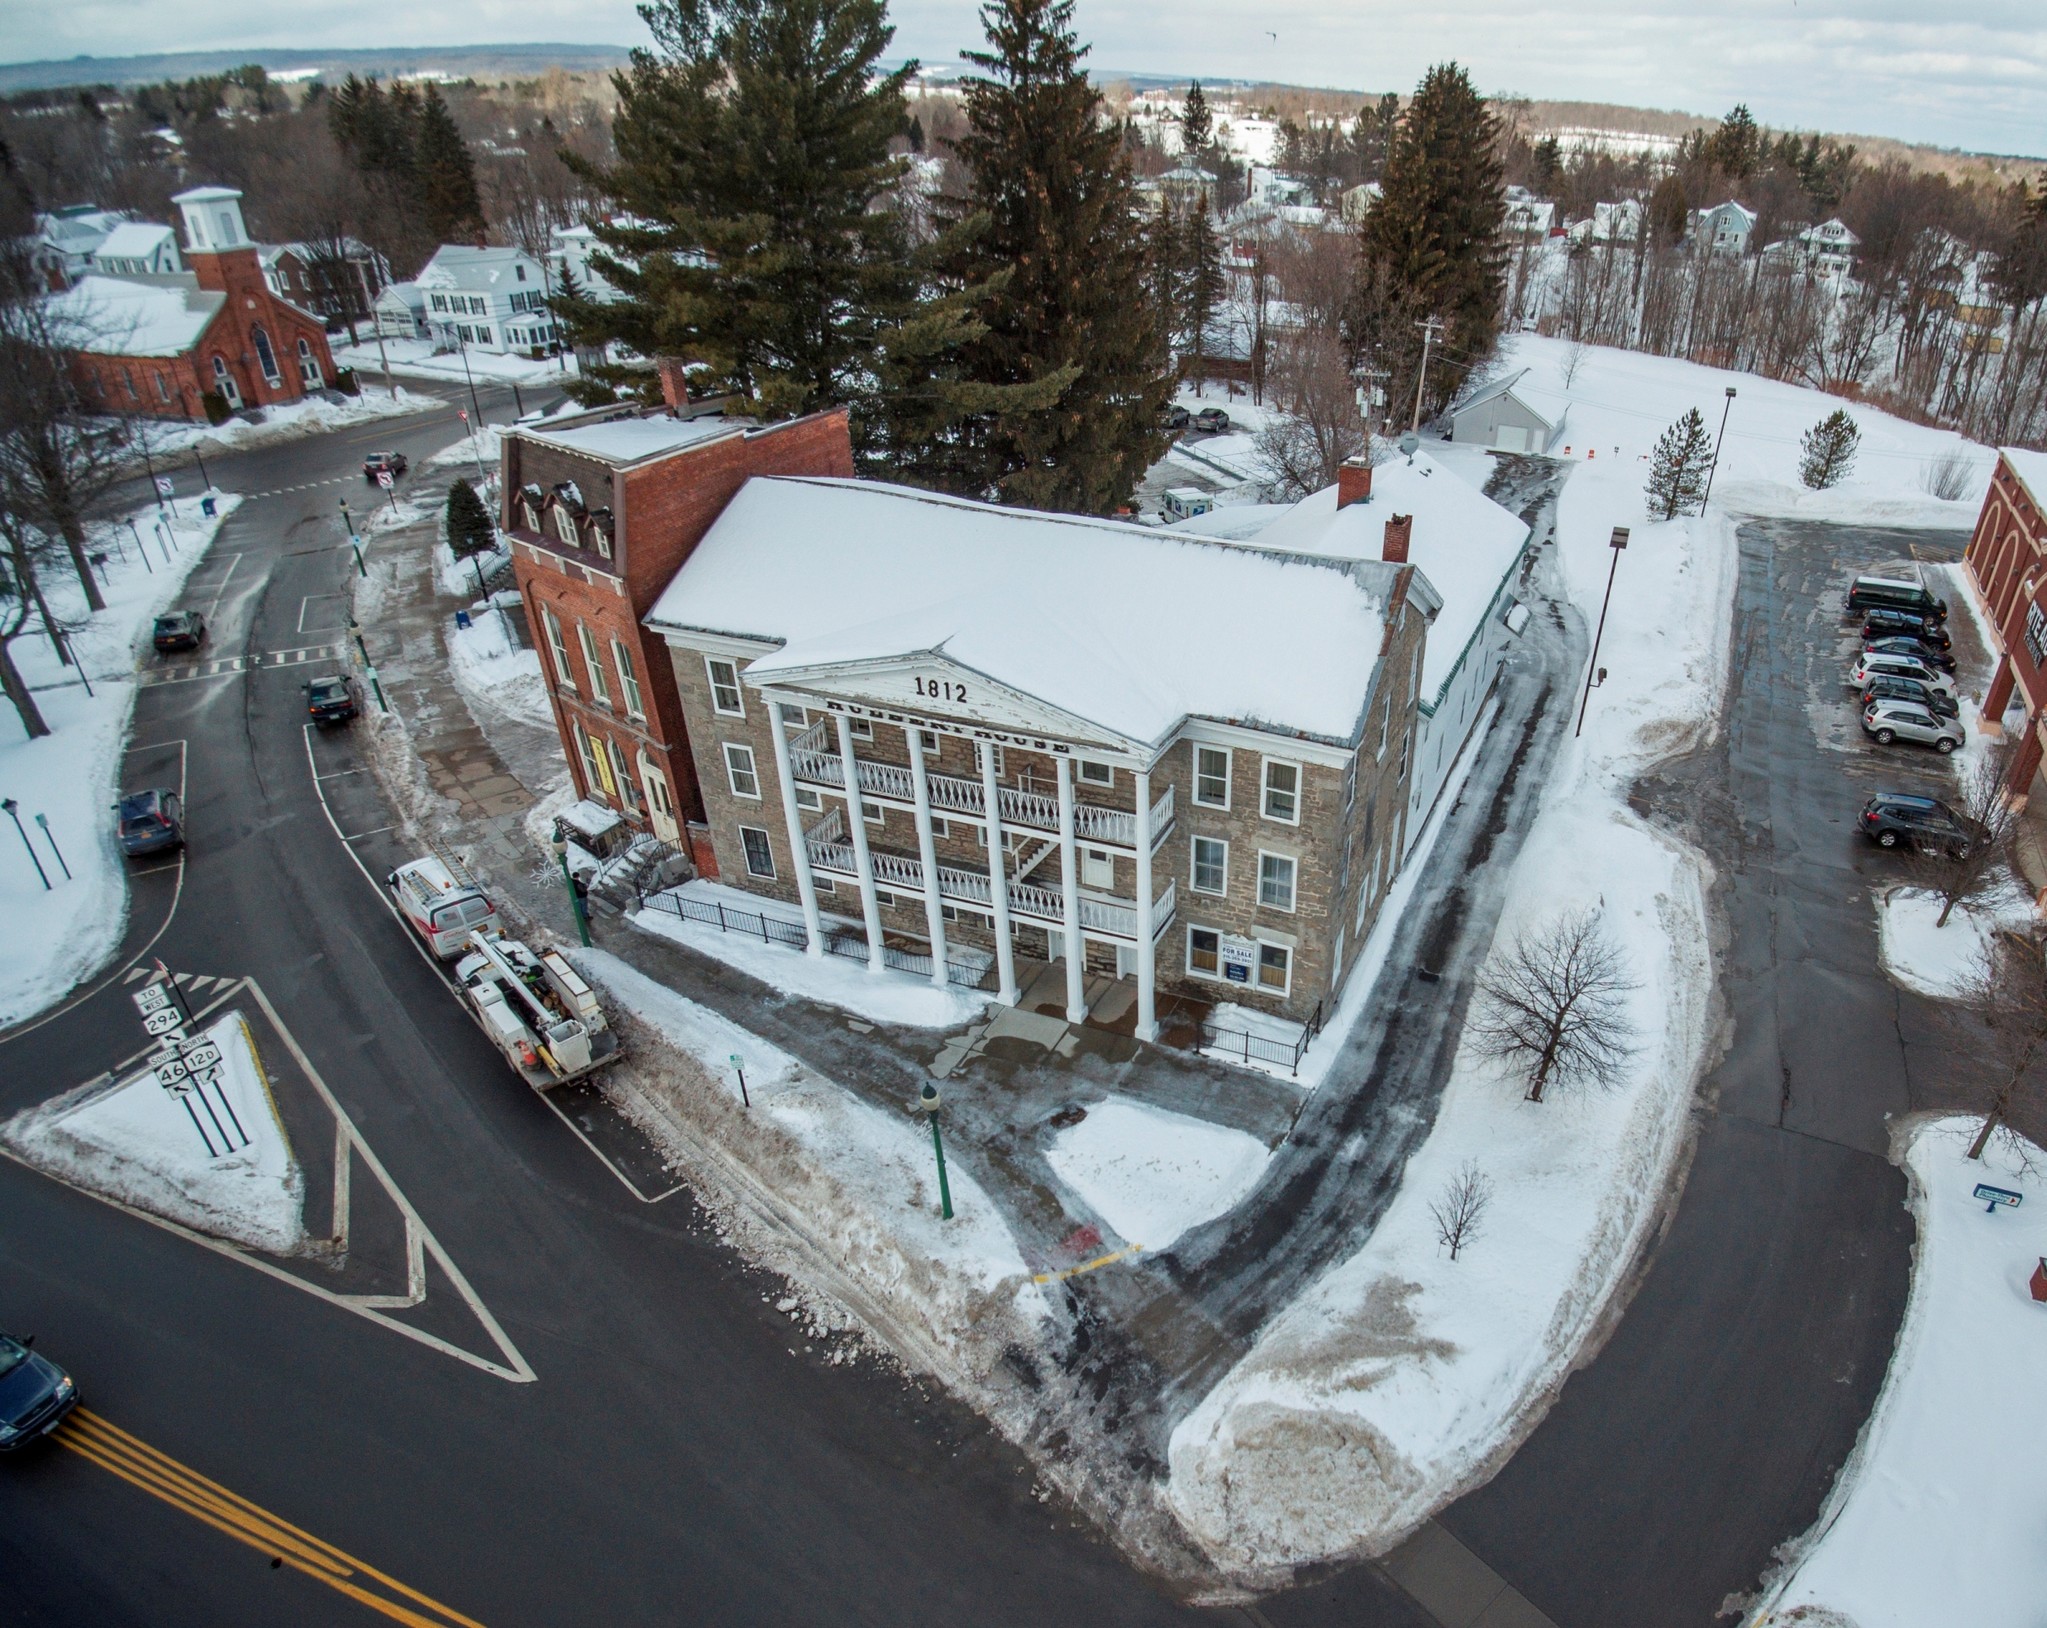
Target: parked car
x=1174, y=417
x=1895, y=818
x=1883, y=624
x=1888, y=721
x=1937, y=702
x=1872, y=664
x=1212, y=419
x=378, y=462
x=333, y=699
x=178, y=630
x=1906, y=646
x=35, y=1394
x=1894, y=593
x=150, y=821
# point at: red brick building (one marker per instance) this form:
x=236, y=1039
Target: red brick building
x=159, y=345
x=602, y=510
x=2007, y=561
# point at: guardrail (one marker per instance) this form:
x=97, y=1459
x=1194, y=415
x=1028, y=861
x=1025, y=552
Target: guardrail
x=1286, y=1054
x=774, y=930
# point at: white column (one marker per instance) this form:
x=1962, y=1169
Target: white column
x=806, y=884
x=856, y=818
x=998, y=879
x=1147, y=974
x=927, y=851
x=1069, y=900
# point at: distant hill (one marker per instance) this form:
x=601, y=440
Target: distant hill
x=484, y=62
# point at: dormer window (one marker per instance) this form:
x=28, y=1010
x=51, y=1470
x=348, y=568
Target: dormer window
x=565, y=526
x=532, y=515
x=600, y=531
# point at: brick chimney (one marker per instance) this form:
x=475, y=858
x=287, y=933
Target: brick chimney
x=674, y=382
x=1353, y=482
x=1399, y=531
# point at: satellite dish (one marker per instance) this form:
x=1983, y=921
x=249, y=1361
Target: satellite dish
x=1410, y=444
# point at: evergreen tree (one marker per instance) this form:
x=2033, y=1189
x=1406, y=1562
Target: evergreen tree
x=1736, y=147
x=1203, y=282
x=753, y=148
x=1435, y=232
x=1827, y=451
x=1372, y=135
x=1197, y=124
x=1549, y=164
x=916, y=136
x=469, y=527
x=444, y=176
x=1165, y=260
x=1677, y=468
x=1669, y=213
x=1065, y=373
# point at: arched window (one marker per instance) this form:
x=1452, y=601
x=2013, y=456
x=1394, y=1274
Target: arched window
x=309, y=365
x=266, y=358
x=224, y=382
x=565, y=526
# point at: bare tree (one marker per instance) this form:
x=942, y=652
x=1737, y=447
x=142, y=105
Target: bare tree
x=1463, y=1203
x=1965, y=868
x=1317, y=426
x=1574, y=358
x=20, y=594
x=1999, y=1022
x=1948, y=476
x=1554, y=1009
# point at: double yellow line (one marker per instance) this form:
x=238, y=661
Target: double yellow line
x=136, y=1462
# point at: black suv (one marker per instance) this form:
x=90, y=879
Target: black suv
x=147, y=822
x=1883, y=623
x=334, y=699
x=1894, y=818
x=1905, y=645
x=1938, y=702
x=35, y=1394
x=179, y=630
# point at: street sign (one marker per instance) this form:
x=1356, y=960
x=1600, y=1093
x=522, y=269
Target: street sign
x=170, y=1074
x=384, y=479
x=1994, y=1196
x=200, y=1056
x=149, y=999
x=163, y=486
x=162, y=1020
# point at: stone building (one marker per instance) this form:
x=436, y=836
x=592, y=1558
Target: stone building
x=1017, y=737
x=601, y=509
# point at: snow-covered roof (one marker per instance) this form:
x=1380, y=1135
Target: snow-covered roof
x=1463, y=542
x=457, y=265
x=133, y=240
x=1505, y=385
x=198, y=195
x=1133, y=629
x=2031, y=469
x=628, y=440
x=405, y=295
x=1231, y=522
x=79, y=229
x=126, y=316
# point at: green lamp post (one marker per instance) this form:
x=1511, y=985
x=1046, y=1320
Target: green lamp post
x=927, y=1103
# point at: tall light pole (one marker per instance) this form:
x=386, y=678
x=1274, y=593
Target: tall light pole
x=354, y=542
x=927, y=1103
x=1719, y=442
x=1617, y=542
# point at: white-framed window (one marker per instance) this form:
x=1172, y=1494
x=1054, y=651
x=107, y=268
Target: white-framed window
x=1275, y=968
x=726, y=696
x=1204, y=952
x=565, y=526
x=593, y=776
x=928, y=739
x=739, y=770
x=872, y=812
x=558, y=648
x=1098, y=868
x=862, y=728
x=794, y=716
x=628, y=680
x=600, y=685
x=990, y=750
x=1276, y=881
x=1212, y=776
x=808, y=800
x=1367, y=885
x=621, y=776
x=1336, y=961
x=532, y=515
x=1097, y=774
x=1211, y=866
x=1406, y=752
x=1350, y=784
x=1282, y=792
x=939, y=828
x=760, y=858
x=1385, y=726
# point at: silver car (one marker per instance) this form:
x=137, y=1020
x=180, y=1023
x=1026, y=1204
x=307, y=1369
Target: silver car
x=1888, y=721
x=1882, y=664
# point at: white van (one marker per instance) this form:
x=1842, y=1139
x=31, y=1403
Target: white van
x=444, y=909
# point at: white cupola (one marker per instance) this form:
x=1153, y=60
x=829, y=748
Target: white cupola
x=213, y=220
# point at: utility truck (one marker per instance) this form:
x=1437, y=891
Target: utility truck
x=536, y=1009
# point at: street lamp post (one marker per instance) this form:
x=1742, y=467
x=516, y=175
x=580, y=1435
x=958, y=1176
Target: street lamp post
x=14, y=813
x=927, y=1103
x=1617, y=542
x=1719, y=442
x=43, y=821
x=139, y=548
x=561, y=854
x=355, y=543
x=355, y=633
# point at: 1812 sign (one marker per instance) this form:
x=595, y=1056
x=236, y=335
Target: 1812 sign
x=2036, y=635
x=942, y=689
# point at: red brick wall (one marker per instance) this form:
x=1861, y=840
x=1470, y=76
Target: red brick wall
x=149, y=386
x=2008, y=545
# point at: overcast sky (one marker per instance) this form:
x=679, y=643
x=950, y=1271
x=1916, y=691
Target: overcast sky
x=1974, y=77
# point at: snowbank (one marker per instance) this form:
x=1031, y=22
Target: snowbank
x=836, y=980
x=56, y=937
x=131, y=1140
x=1152, y=1174
x=1938, y=961
x=493, y=670
x=1400, y=1376
x=289, y=421
x=482, y=447
x=860, y=1182
x=1936, y=1515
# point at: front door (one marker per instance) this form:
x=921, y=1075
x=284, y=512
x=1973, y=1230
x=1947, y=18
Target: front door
x=660, y=812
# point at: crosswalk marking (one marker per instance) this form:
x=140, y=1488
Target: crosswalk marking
x=303, y=486
x=228, y=665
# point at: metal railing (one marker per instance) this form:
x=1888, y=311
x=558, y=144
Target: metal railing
x=774, y=930
x=1241, y=1043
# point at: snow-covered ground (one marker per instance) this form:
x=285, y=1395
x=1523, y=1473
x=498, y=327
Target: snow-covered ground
x=1152, y=1174
x=59, y=935
x=419, y=359
x=471, y=451
x=836, y=980
x=1939, y=961
x=287, y=422
x=493, y=670
x=1394, y=1380
x=131, y=1140
x=1936, y=1517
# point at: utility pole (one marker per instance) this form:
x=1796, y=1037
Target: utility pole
x=1430, y=329
x=1718, y=442
x=362, y=273
x=1617, y=542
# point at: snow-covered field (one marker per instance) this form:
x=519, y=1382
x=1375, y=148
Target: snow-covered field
x=287, y=422
x=417, y=359
x=57, y=936
x=1936, y=1517
x=131, y=1140
x=1152, y=1174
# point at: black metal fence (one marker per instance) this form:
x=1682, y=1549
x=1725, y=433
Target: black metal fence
x=1241, y=1043
x=774, y=930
